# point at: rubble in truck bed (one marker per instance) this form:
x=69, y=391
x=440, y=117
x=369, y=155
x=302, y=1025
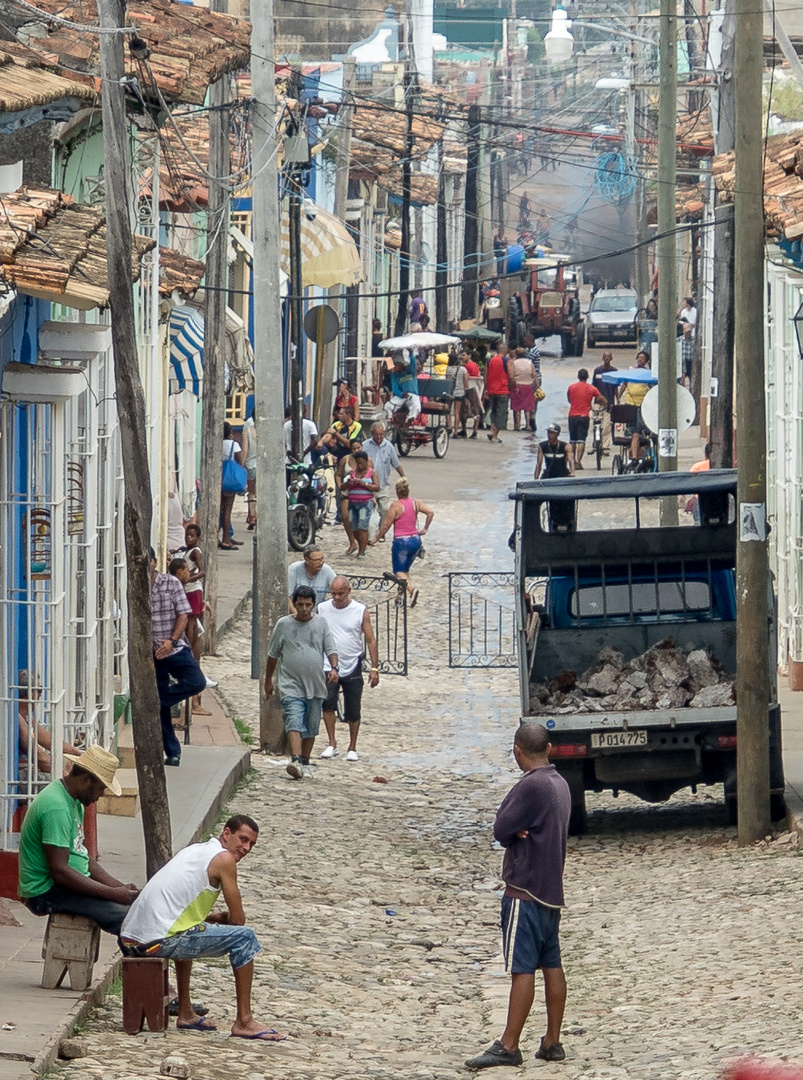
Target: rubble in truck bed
x=664, y=677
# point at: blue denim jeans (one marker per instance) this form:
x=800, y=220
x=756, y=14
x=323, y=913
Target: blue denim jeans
x=106, y=913
x=178, y=677
x=211, y=939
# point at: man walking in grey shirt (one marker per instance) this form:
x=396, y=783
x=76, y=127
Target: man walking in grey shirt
x=299, y=645
x=384, y=456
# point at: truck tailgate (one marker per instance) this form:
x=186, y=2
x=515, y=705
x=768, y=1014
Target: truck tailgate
x=624, y=721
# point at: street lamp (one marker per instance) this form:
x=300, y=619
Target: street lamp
x=559, y=43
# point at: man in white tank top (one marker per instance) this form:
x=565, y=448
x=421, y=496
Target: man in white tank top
x=350, y=623
x=172, y=917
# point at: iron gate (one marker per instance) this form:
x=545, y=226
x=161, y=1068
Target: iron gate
x=387, y=607
x=482, y=622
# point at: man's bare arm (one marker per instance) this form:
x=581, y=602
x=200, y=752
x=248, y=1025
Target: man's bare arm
x=104, y=887
x=223, y=872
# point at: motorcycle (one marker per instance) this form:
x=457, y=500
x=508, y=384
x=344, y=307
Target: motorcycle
x=308, y=499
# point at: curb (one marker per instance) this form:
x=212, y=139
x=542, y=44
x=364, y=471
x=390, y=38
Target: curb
x=227, y=623
x=49, y=1053
x=794, y=811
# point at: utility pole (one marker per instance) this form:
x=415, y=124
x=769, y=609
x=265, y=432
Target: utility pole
x=441, y=255
x=667, y=253
x=752, y=569
x=214, y=389
x=407, y=166
x=131, y=409
x=721, y=424
x=271, y=572
x=468, y=306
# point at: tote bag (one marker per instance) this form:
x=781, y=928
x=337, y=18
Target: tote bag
x=234, y=477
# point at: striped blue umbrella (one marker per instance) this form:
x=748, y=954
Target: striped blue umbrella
x=186, y=349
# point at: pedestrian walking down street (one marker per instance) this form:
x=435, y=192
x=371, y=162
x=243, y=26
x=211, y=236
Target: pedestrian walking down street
x=178, y=673
x=360, y=486
x=350, y=624
x=313, y=571
x=580, y=395
x=384, y=456
x=231, y=451
x=299, y=645
x=497, y=389
x=555, y=457
x=532, y=825
x=608, y=391
x=403, y=516
x=523, y=383
x=194, y=590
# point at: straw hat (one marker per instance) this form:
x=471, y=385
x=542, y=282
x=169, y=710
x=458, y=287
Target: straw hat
x=100, y=763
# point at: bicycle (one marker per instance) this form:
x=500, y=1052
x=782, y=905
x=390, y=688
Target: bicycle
x=597, y=412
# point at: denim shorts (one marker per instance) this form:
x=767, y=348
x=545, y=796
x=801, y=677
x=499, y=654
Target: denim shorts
x=360, y=515
x=403, y=553
x=211, y=939
x=302, y=715
x=529, y=936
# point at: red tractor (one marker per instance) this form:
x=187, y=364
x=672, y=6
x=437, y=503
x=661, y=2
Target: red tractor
x=543, y=300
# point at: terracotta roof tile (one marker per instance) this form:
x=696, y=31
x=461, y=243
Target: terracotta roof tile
x=783, y=184
x=27, y=80
x=53, y=248
x=191, y=48
x=179, y=273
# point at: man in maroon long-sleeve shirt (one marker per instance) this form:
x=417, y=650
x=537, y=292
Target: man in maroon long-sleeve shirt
x=532, y=824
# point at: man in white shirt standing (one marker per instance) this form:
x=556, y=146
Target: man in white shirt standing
x=350, y=623
x=309, y=436
x=383, y=454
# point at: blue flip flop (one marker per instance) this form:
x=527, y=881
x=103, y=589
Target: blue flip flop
x=272, y=1033
x=201, y=1024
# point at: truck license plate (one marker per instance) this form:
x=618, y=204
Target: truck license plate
x=604, y=740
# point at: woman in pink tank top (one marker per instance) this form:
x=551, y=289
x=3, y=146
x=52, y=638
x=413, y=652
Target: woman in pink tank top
x=403, y=516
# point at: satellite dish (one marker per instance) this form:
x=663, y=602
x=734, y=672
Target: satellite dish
x=685, y=414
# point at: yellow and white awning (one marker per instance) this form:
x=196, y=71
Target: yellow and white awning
x=329, y=256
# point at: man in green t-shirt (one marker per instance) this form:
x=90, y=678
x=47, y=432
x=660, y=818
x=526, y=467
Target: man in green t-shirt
x=57, y=873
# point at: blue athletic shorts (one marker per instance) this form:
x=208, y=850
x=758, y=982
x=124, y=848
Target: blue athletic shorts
x=529, y=936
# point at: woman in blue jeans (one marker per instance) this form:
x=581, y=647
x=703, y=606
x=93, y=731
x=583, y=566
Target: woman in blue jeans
x=403, y=516
x=359, y=488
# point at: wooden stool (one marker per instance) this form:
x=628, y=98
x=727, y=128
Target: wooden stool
x=145, y=994
x=71, y=945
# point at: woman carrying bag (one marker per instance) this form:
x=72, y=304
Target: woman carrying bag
x=233, y=481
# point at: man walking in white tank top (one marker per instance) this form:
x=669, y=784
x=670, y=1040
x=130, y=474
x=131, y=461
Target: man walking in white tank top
x=350, y=623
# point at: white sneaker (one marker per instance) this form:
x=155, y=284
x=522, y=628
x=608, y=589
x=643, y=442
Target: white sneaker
x=296, y=770
x=329, y=752
x=352, y=755
x=211, y=684
x=307, y=771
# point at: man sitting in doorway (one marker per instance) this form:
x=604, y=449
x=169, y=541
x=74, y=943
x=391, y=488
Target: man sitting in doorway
x=56, y=872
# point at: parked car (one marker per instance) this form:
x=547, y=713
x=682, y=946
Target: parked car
x=612, y=316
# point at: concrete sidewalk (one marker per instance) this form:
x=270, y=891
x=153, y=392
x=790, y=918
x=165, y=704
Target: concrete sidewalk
x=39, y=1019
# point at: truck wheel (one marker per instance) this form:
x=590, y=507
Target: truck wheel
x=567, y=345
x=578, y=818
x=580, y=340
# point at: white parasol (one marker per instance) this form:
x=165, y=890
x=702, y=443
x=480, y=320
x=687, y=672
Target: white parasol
x=424, y=339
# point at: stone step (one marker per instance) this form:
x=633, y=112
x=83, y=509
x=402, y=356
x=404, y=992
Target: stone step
x=127, y=804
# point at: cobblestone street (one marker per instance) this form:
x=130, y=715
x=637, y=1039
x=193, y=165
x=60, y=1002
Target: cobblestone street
x=374, y=892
